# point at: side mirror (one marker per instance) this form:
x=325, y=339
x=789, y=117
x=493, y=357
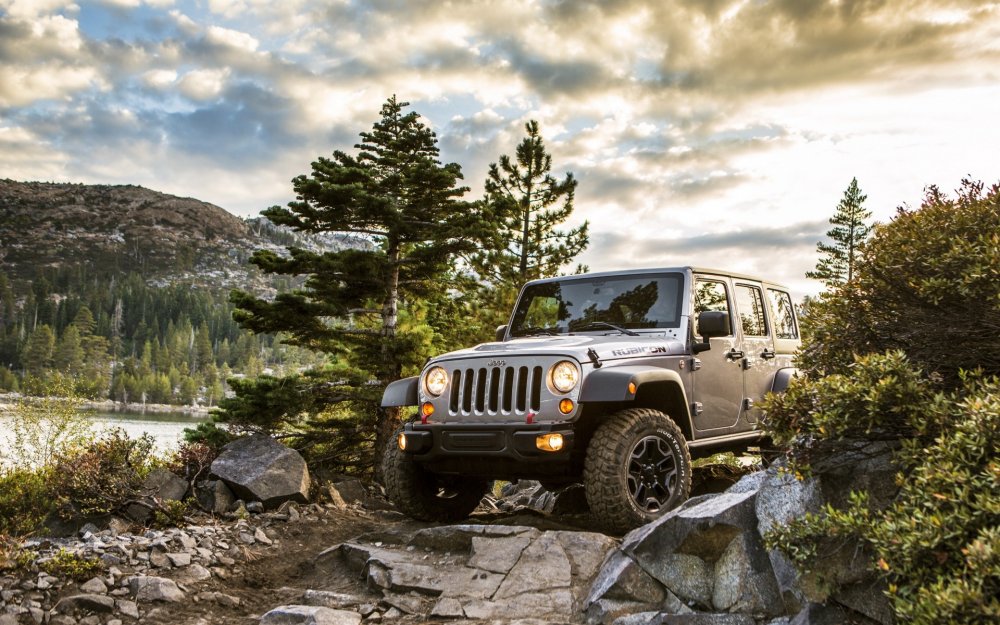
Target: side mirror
x=501, y=332
x=711, y=323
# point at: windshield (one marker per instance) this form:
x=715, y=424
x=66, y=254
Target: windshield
x=599, y=304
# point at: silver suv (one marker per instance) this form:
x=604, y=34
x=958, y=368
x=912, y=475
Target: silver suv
x=614, y=379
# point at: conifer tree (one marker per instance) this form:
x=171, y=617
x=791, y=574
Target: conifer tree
x=528, y=203
x=395, y=192
x=850, y=230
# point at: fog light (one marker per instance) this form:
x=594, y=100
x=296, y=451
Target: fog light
x=566, y=406
x=401, y=441
x=549, y=442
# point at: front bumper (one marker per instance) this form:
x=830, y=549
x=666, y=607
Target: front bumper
x=510, y=441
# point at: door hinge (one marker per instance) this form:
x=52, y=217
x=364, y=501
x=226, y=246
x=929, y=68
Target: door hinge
x=748, y=404
x=697, y=408
x=695, y=364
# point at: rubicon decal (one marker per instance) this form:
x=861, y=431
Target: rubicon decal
x=634, y=351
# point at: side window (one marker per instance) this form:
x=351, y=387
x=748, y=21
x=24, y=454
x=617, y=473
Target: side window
x=784, y=315
x=750, y=304
x=709, y=296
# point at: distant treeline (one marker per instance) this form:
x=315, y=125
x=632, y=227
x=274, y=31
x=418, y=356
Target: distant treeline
x=118, y=337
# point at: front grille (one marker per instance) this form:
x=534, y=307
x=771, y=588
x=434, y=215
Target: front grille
x=495, y=390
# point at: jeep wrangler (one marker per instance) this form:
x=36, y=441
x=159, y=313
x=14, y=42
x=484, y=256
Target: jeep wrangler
x=615, y=380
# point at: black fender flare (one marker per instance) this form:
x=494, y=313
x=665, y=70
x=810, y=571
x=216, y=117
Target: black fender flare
x=782, y=378
x=611, y=384
x=401, y=393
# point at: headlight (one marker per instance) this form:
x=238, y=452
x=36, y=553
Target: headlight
x=435, y=381
x=564, y=376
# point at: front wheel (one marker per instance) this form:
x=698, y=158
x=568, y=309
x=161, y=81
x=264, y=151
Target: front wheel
x=427, y=496
x=638, y=467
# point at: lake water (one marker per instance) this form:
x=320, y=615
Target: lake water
x=167, y=429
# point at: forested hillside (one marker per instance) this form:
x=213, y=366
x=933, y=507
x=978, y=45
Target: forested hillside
x=124, y=291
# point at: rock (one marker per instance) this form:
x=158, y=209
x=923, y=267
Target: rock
x=639, y=618
x=689, y=577
x=335, y=498
x=498, y=555
x=94, y=586
x=328, y=599
x=163, y=485
x=622, y=579
x=155, y=589
x=350, y=491
x=571, y=500
x=90, y=603
x=554, y=605
x=179, y=559
x=193, y=574
x=447, y=607
x=703, y=528
x=309, y=615
x=544, y=565
x=127, y=608
x=409, y=603
x=868, y=598
x=706, y=619
x=816, y=614
x=586, y=552
x=258, y=467
x=744, y=579
x=261, y=537
x=214, y=496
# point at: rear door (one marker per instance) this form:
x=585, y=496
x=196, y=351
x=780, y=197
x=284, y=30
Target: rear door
x=759, y=362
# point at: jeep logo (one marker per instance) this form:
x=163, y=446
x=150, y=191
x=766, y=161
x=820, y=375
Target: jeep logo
x=633, y=351
x=496, y=363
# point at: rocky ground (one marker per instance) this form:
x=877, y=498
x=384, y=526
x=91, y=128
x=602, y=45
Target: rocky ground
x=527, y=556
x=237, y=570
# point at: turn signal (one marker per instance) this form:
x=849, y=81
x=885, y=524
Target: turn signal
x=631, y=388
x=566, y=406
x=427, y=409
x=549, y=442
x=401, y=441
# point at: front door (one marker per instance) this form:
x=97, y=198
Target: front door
x=718, y=383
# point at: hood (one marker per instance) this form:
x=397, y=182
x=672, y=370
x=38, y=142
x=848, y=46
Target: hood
x=607, y=346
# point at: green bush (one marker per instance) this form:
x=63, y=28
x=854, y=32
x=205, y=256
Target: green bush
x=938, y=543
x=25, y=500
x=880, y=396
x=67, y=564
x=927, y=284
x=103, y=476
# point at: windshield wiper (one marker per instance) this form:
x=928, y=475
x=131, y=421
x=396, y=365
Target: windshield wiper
x=591, y=325
x=537, y=332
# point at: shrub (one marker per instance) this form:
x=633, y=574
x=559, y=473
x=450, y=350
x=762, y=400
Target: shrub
x=938, y=544
x=25, y=500
x=102, y=476
x=71, y=565
x=42, y=427
x=192, y=461
x=926, y=284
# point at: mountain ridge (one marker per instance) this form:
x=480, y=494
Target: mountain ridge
x=129, y=228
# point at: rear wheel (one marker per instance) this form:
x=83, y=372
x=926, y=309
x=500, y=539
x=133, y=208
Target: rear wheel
x=428, y=496
x=637, y=468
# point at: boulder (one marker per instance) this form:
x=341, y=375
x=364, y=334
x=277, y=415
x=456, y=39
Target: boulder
x=623, y=580
x=744, y=579
x=214, y=496
x=309, y=615
x=86, y=602
x=261, y=469
x=163, y=485
x=145, y=588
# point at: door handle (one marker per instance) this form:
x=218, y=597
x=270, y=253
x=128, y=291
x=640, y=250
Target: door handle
x=768, y=354
x=734, y=354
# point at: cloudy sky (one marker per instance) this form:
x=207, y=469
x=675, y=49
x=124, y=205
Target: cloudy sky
x=709, y=132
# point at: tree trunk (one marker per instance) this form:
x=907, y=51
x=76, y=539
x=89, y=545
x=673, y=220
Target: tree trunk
x=388, y=420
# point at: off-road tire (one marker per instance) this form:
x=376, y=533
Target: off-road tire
x=423, y=495
x=614, y=472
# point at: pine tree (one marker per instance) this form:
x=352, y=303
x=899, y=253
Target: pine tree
x=528, y=203
x=397, y=193
x=850, y=231
x=38, y=352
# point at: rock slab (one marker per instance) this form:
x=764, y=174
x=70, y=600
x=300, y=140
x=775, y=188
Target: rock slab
x=259, y=468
